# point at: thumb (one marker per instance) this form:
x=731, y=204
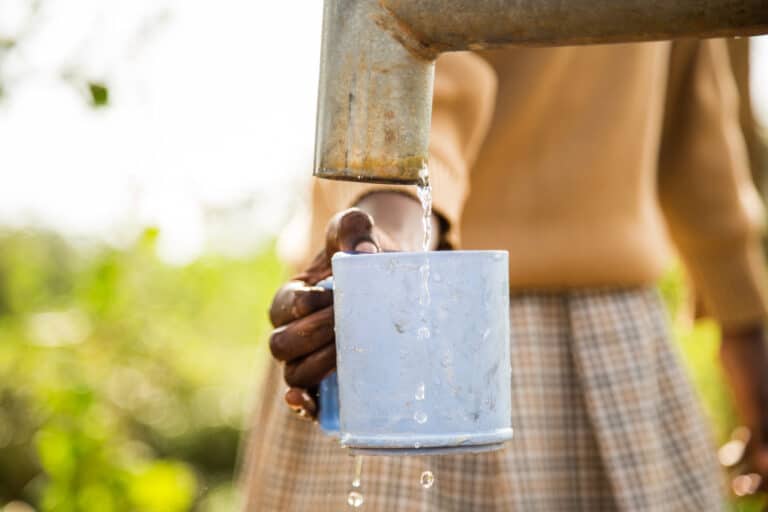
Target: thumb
x=350, y=230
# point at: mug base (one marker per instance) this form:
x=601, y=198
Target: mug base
x=432, y=450
x=435, y=444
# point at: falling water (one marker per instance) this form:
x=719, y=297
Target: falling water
x=358, y=471
x=424, y=191
x=355, y=497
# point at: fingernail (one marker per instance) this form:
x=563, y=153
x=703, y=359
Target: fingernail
x=366, y=247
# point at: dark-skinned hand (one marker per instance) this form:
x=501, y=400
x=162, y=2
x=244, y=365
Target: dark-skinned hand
x=302, y=313
x=744, y=354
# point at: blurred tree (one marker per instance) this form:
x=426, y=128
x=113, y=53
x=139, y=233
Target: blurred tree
x=125, y=381
x=71, y=68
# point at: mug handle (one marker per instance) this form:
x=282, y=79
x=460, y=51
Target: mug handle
x=328, y=394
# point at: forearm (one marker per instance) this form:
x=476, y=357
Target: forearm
x=400, y=217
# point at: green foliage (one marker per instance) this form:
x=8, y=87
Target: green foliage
x=125, y=381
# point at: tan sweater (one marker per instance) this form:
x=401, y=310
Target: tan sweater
x=579, y=161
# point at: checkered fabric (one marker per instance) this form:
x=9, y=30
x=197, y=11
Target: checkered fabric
x=604, y=419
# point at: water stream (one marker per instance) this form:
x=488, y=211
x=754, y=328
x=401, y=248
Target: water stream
x=355, y=498
x=424, y=191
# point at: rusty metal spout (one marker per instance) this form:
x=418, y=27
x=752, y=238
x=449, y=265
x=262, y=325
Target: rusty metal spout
x=377, y=62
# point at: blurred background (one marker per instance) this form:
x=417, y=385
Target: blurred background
x=152, y=152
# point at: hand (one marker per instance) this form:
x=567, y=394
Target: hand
x=744, y=354
x=303, y=313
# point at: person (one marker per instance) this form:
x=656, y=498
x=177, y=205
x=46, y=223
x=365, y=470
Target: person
x=583, y=163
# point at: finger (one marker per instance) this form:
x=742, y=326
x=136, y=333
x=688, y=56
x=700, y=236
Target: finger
x=348, y=230
x=302, y=402
x=310, y=370
x=303, y=336
x=310, y=299
x=746, y=484
x=318, y=269
x=296, y=300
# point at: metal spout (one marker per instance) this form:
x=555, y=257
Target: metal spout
x=377, y=62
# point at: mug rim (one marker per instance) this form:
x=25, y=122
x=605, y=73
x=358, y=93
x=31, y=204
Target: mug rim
x=410, y=254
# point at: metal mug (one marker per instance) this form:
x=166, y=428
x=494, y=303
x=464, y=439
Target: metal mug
x=423, y=353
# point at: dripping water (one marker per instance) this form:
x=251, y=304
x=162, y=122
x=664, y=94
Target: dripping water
x=427, y=479
x=355, y=497
x=424, y=191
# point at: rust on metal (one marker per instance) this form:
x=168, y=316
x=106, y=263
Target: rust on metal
x=413, y=41
x=402, y=172
x=374, y=103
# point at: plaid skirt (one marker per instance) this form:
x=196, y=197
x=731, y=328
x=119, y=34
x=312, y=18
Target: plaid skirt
x=604, y=418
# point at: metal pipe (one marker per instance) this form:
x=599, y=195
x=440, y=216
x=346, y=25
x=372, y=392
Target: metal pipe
x=440, y=25
x=377, y=63
x=373, y=100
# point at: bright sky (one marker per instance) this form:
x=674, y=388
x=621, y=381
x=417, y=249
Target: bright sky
x=211, y=125
x=213, y=104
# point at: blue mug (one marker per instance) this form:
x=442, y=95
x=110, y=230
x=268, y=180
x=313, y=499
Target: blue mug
x=422, y=351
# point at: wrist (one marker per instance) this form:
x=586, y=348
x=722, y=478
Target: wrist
x=400, y=217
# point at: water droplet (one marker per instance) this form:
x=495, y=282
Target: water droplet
x=420, y=417
x=355, y=499
x=417, y=445
x=427, y=479
x=420, y=392
x=486, y=333
x=423, y=333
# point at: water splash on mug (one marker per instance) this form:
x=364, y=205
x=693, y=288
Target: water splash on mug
x=421, y=392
